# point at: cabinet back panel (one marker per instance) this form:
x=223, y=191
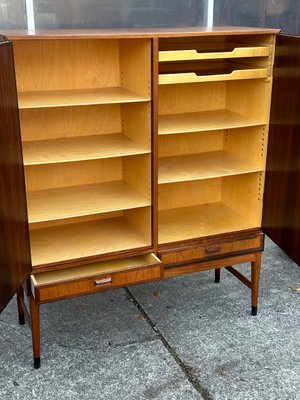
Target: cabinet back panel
x=184, y=194
x=66, y=64
x=190, y=97
x=72, y=174
x=190, y=143
x=74, y=220
x=53, y=123
x=253, y=99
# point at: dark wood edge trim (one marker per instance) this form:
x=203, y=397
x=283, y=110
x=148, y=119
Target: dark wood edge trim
x=289, y=36
x=91, y=259
x=154, y=136
x=136, y=33
x=208, y=265
x=210, y=240
x=103, y=289
x=240, y=277
x=213, y=258
x=94, y=276
x=263, y=242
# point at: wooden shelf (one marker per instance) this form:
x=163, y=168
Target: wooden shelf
x=213, y=51
x=80, y=148
x=75, y=201
x=77, y=97
x=85, y=239
x=213, y=75
x=208, y=165
x=90, y=270
x=203, y=122
x=199, y=221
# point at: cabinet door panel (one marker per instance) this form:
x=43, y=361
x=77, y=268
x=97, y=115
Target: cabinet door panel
x=15, y=264
x=281, y=219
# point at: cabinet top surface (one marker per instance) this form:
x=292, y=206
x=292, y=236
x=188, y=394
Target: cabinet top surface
x=134, y=32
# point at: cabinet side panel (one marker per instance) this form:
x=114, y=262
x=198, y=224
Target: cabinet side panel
x=281, y=220
x=15, y=264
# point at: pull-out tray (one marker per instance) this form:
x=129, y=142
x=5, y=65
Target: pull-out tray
x=87, y=279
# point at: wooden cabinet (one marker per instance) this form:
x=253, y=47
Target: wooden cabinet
x=144, y=157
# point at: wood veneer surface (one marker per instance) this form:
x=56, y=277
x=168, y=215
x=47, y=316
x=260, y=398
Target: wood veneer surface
x=15, y=263
x=281, y=219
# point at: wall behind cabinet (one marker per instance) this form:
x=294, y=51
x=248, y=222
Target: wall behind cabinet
x=118, y=13
x=13, y=14
x=283, y=14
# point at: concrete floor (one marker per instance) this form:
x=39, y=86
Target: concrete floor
x=182, y=339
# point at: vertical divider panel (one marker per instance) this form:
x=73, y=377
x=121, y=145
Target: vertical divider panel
x=154, y=128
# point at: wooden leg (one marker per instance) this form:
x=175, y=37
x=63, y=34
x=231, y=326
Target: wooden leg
x=20, y=297
x=255, y=275
x=217, y=275
x=35, y=331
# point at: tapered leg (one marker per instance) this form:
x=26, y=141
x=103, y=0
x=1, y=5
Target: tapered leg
x=217, y=275
x=255, y=275
x=20, y=297
x=35, y=331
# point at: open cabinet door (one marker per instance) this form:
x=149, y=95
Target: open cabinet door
x=15, y=263
x=281, y=218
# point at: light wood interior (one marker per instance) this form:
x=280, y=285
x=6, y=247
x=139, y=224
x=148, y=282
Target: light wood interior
x=89, y=187
x=85, y=133
x=191, y=193
x=203, y=121
x=224, y=50
x=85, y=113
x=259, y=48
x=90, y=270
x=95, y=147
x=202, y=166
x=199, y=221
x=68, y=202
x=210, y=72
x=75, y=220
x=212, y=134
x=79, y=97
x=208, y=207
x=242, y=149
x=66, y=66
x=59, y=175
x=86, y=120
x=220, y=97
x=85, y=239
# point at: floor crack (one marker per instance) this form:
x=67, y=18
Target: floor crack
x=187, y=370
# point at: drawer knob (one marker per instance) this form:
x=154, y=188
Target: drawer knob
x=215, y=249
x=104, y=281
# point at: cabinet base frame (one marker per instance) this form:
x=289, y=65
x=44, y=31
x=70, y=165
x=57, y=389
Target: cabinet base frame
x=33, y=316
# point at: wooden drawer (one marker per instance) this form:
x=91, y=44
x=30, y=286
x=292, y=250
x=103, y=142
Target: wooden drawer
x=85, y=279
x=203, y=251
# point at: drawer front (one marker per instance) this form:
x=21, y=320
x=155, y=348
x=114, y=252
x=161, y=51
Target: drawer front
x=199, y=252
x=68, y=283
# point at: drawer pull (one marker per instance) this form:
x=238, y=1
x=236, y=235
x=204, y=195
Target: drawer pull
x=215, y=249
x=105, y=281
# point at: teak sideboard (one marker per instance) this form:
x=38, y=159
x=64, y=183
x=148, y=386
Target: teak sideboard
x=130, y=156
